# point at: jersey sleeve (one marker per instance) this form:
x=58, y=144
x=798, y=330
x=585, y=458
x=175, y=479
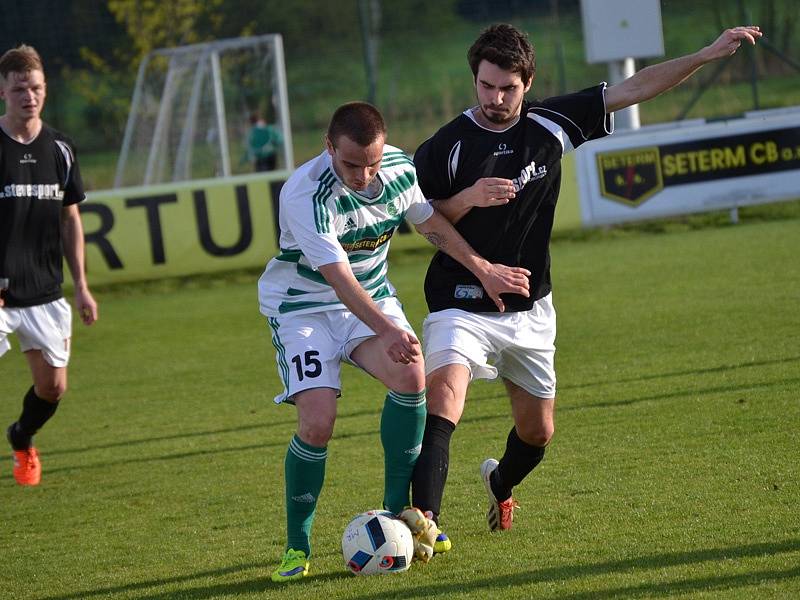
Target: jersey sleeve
x=575, y=118
x=310, y=223
x=73, y=182
x=420, y=209
x=432, y=161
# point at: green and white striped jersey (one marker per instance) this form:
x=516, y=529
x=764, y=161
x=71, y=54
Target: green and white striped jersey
x=322, y=221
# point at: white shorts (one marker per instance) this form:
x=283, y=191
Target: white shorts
x=311, y=347
x=46, y=327
x=518, y=346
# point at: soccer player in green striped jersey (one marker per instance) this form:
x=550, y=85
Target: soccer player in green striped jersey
x=328, y=300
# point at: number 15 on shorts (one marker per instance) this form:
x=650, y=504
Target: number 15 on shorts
x=307, y=365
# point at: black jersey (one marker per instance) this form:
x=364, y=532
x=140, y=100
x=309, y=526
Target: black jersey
x=38, y=180
x=518, y=233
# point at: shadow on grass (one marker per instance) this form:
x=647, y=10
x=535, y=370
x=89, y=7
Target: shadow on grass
x=194, y=434
x=262, y=583
x=703, y=371
x=721, y=389
x=487, y=586
x=377, y=410
x=490, y=587
x=107, y=464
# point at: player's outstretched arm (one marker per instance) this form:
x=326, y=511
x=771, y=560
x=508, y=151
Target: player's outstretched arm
x=400, y=345
x=487, y=191
x=73, y=244
x=496, y=279
x=655, y=79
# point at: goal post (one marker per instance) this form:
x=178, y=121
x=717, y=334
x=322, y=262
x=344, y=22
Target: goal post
x=189, y=115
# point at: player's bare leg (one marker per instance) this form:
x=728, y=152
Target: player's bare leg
x=406, y=378
x=533, y=429
x=50, y=382
x=39, y=405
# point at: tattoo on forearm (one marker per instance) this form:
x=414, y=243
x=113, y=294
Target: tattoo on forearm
x=437, y=239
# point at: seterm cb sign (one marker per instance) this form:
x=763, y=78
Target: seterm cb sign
x=661, y=171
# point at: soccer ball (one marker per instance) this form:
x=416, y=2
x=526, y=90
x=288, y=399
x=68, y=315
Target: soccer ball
x=377, y=542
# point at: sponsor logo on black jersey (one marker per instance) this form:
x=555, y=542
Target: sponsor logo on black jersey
x=368, y=243
x=468, y=292
x=502, y=149
x=631, y=176
x=530, y=173
x=40, y=191
x=27, y=159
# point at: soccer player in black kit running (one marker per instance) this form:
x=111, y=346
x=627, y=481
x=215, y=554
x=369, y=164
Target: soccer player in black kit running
x=494, y=171
x=39, y=227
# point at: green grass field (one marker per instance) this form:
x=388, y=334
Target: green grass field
x=674, y=470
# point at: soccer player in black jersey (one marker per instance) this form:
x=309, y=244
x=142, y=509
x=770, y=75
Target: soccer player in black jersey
x=494, y=171
x=39, y=227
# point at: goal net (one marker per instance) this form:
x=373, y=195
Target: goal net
x=192, y=108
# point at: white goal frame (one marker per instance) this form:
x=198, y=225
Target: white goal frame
x=209, y=60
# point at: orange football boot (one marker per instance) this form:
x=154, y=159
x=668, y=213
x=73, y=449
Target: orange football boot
x=27, y=466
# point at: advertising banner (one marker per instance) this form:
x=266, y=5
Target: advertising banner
x=187, y=228
x=663, y=171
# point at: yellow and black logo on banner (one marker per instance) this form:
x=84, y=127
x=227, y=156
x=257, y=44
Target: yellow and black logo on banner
x=630, y=176
x=633, y=175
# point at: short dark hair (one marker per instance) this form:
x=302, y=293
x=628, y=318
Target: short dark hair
x=507, y=47
x=21, y=59
x=360, y=121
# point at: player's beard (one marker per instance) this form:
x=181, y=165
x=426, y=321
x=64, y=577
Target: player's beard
x=501, y=117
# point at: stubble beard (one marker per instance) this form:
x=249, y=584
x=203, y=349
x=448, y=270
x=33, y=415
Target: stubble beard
x=501, y=118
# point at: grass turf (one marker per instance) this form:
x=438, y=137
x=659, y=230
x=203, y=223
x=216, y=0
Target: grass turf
x=673, y=472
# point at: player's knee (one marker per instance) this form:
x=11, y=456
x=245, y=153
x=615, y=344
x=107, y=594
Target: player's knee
x=536, y=434
x=316, y=434
x=52, y=391
x=410, y=380
x=316, y=431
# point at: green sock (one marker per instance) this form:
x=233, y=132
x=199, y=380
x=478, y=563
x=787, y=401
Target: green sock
x=402, y=427
x=305, y=472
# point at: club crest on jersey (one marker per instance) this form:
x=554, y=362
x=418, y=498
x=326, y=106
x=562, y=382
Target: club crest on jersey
x=391, y=208
x=468, y=292
x=503, y=149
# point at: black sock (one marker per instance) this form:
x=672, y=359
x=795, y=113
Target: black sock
x=35, y=413
x=519, y=459
x=430, y=472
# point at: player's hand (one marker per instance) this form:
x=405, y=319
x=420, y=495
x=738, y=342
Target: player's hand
x=400, y=345
x=491, y=191
x=730, y=40
x=86, y=305
x=500, y=279
x=3, y=288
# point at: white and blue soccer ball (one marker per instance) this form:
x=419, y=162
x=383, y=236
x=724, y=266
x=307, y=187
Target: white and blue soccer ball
x=377, y=542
